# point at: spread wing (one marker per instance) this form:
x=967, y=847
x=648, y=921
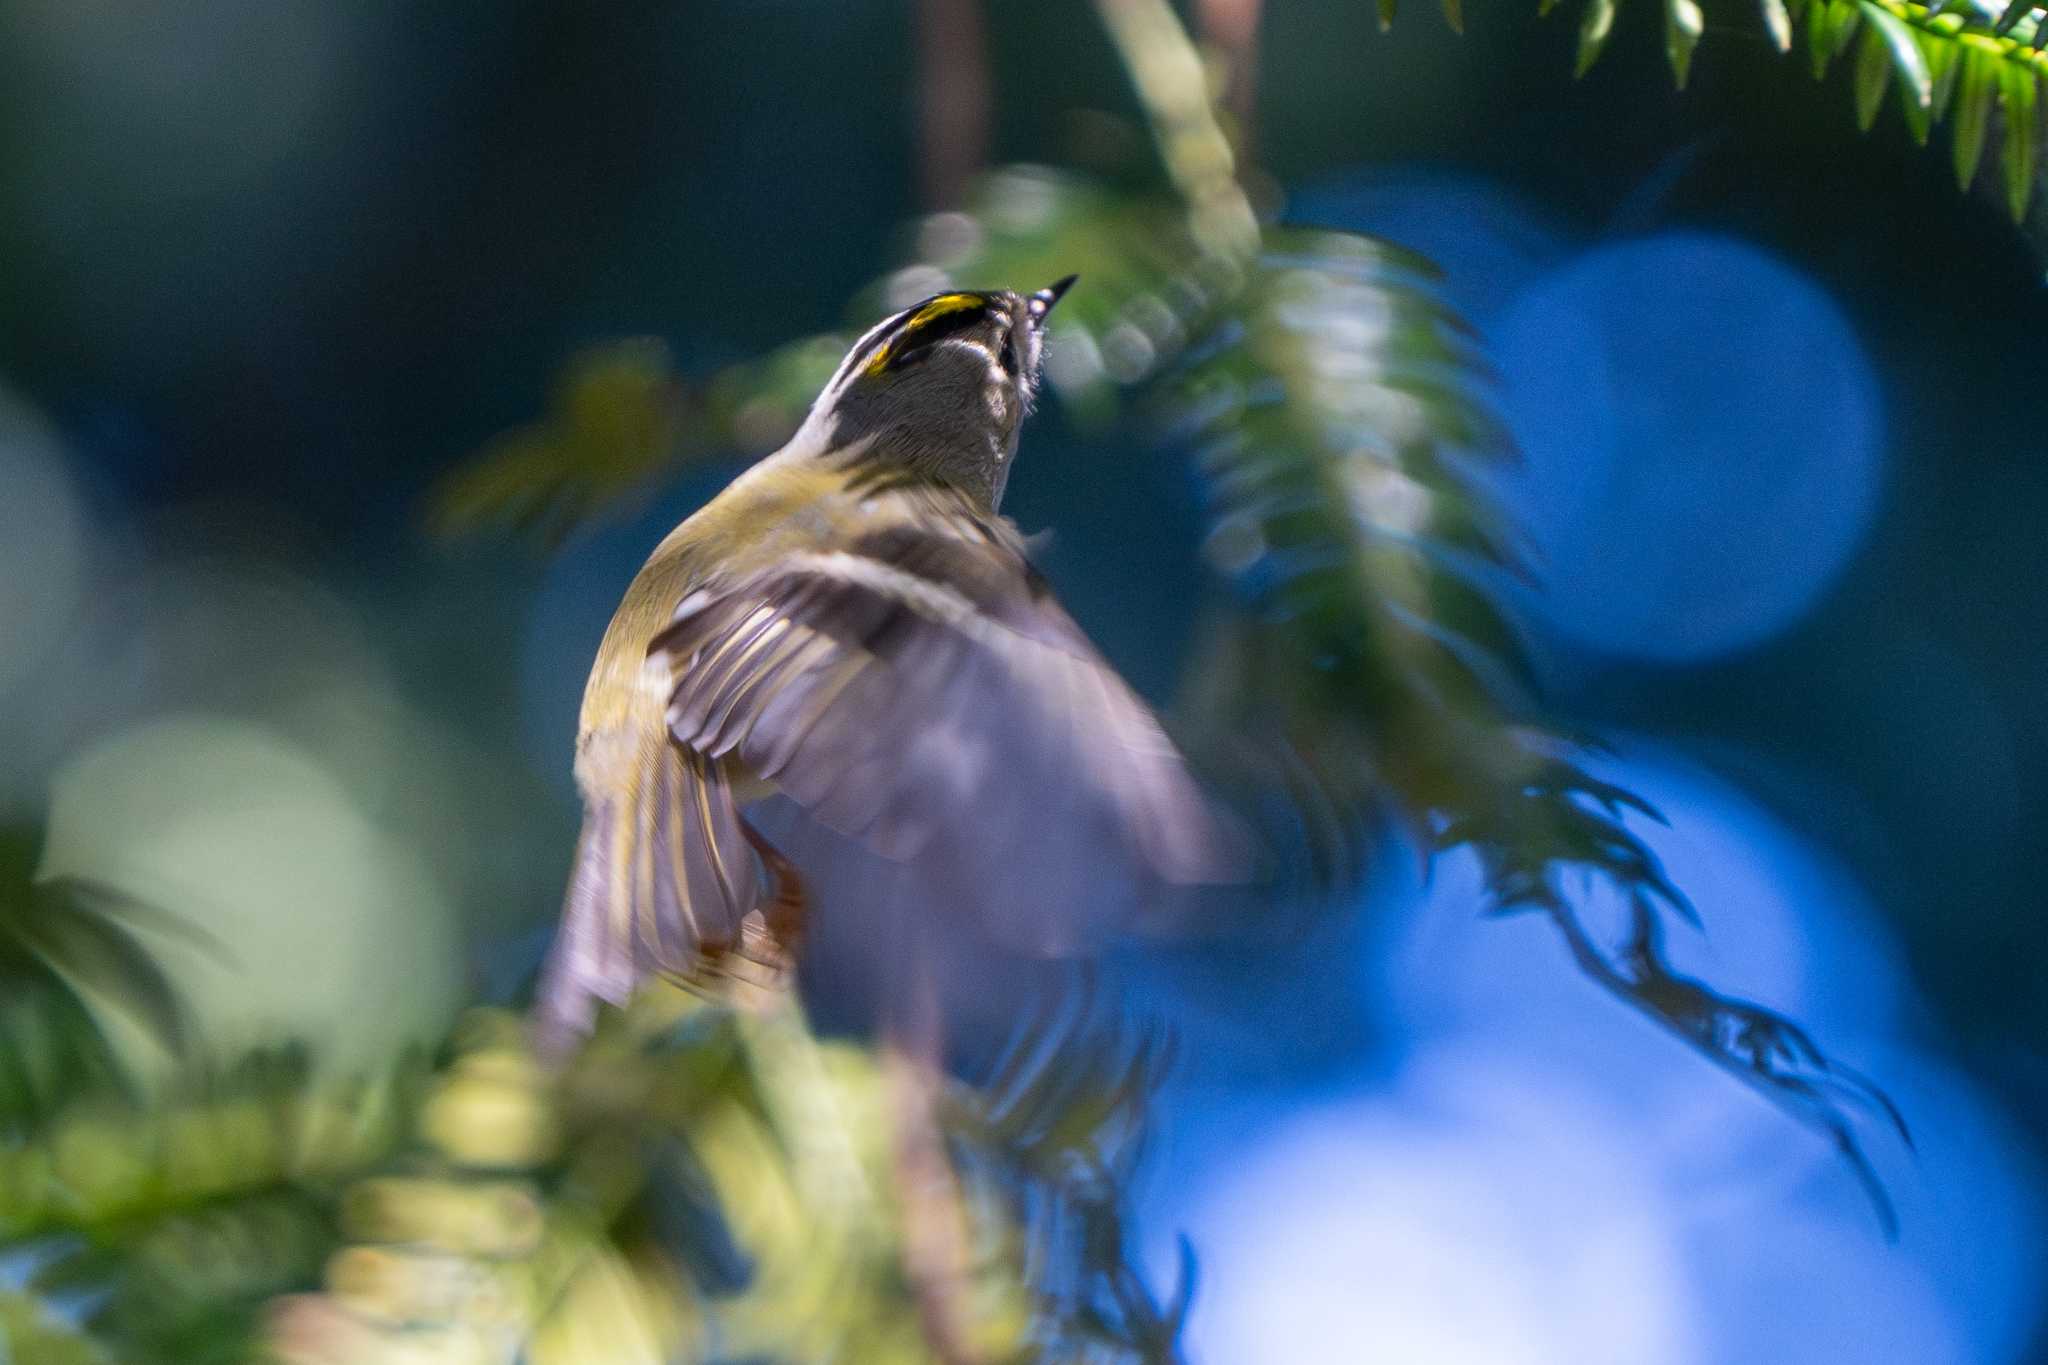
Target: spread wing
x=918, y=688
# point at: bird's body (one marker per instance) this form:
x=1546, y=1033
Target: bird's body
x=852, y=624
x=777, y=506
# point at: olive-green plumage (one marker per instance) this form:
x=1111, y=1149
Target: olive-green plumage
x=851, y=624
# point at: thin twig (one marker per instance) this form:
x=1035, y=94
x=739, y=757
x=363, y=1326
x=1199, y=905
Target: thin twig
x=1166, y=70
x=954, y=98
x=1694, y=1014
x=1232, y=28
x=936, y=1258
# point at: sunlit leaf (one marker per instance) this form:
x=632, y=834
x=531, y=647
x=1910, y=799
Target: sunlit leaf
x=1683, y=23
x=1594, y=27
x=1777, y=23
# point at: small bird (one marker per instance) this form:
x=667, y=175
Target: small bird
x=852, y=624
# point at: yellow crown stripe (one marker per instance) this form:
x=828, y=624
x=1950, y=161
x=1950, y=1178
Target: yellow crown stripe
x=945, y=305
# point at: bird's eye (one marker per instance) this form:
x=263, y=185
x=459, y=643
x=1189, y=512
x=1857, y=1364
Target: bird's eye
x=1009, y=354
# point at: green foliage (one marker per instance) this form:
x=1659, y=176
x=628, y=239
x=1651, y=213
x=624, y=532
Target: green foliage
x=112, y=1191
x=1975, y=62
x=710, y=1181
x=1335, y=421
x=28, y=1333
x=175, y=1220
x=616, y=411
x=705, y=1181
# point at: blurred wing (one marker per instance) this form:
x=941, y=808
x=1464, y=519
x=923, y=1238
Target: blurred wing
x=663, y=873
x=920, y=690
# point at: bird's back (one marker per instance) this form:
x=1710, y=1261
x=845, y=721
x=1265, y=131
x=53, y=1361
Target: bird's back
x=778, y=506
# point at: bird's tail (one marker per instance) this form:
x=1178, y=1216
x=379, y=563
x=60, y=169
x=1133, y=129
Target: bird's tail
x=663, y=875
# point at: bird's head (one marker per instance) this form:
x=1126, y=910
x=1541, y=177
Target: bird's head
x=938, y=389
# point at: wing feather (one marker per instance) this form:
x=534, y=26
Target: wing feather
x=916, y=686
x=663, y=874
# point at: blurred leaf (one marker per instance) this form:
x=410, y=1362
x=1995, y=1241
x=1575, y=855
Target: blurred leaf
x=1331, y=422
x=1939, y=64
x=1976, y=90
x=100, y=958
x=1820, y=41
x=175, y=1222
x=1944, y=64
x=1057, y=1130
x=2019, y=158
x=1777, y=23
x=31, y=1336
x=1901, y=48
x=1683, y=23
x=719, y=1175
x=1333, y=409
x=1593, y=30
x=614, y=1311
x=1873, y=76
x=1840, y=21
x=67, y=950
x=613, y=425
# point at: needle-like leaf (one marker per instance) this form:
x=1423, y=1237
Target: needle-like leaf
x=1777, y=23
x=1873, y=75
x=1594, y=27
x=2017, y=89
x=1683, y=23
x=1976, y=96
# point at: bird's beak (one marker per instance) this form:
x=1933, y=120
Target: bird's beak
x=1040, y=303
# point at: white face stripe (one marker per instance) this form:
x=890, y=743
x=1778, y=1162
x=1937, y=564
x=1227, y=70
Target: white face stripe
x=862, y=347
